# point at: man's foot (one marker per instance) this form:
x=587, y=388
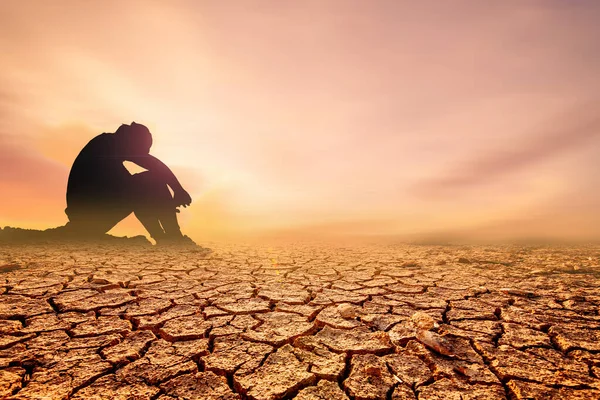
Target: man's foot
x=175, y=240
x=182, y=241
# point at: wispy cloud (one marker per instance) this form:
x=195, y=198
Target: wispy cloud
x=32, y=187
x=563, y=134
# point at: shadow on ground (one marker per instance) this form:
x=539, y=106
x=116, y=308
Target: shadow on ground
x=10, y=235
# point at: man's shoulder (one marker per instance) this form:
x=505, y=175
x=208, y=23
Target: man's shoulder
x=100, y=144
x=104, y=136
x=101, y=139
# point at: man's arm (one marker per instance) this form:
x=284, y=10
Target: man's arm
x=151, y=163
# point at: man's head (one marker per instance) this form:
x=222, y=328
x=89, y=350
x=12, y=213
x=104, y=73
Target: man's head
x=135, y=138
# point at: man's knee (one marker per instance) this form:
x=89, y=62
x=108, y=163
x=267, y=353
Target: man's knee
x=148, y=183
x=150, y=189
x=145, y=178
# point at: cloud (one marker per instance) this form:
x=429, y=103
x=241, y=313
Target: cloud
x=33, y=187
x=62, y=143
x=569, y=132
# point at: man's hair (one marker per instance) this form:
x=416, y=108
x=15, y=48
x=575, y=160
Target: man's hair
x=136, y=134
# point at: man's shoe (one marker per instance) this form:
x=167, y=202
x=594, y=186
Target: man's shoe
x=182, y=241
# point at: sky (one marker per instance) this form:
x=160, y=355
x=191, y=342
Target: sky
x=316, y=118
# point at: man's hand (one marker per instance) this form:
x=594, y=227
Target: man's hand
x=182, y=198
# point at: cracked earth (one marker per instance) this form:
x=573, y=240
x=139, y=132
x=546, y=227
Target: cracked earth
x=300, y=322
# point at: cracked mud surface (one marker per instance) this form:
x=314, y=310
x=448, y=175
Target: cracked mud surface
x=306, y=321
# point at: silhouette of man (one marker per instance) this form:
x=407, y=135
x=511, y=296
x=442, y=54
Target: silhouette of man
x=101, y=191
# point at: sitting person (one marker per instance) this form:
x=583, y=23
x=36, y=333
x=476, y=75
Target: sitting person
x=101, y=191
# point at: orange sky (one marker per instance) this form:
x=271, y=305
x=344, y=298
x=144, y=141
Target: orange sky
x=318, y=117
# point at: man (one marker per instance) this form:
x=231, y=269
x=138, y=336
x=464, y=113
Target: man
x=101, y=192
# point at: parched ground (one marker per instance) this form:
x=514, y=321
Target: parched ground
x=301, y=321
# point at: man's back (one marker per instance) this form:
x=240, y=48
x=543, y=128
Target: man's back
x=97, y=172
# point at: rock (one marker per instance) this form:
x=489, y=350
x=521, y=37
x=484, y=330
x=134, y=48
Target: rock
x=9, y=340
x=409, y=369
x=346, y=311
x=47, y=342
x=231, y=354
x=101, y=326
x=422, y=321
x=88, y=300
x=160, y=363
x=448, y=389
x=473, y=329
x=45, y=323
x=323, y=390
x=155, y=321
x=185, y=328
x=110, y=387
x=435, y=342
x=323, y=363
x=288, y=294
x=359, y=340
x=11, y=327
x=13, y=306
x=16, y=354
x=471, y=309
x=58, y=379
x=517, y=292
x=473, y=372
x=199, y=386
x=130, y=349
x=521, y=337
x=139, y=307
x=332, y=296
x=538, y=366
x=92, y=342
x=247, y=306
x=280, y=375
x=369, y=378
x=244, y=322
x=569, y=338
x=333, y=317
x=192, y=349
x=402, y=392
x=528, y=390
x=584, y=356
x=278, y=328
x=306, y=310
x=10, y=380
x=402, y=333
x=381, y=322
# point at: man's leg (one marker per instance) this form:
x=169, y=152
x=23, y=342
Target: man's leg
x=150, y=222
x=154, y=207
x=94, y=220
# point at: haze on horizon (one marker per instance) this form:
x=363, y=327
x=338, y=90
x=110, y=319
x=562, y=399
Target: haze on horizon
x=316, y=118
